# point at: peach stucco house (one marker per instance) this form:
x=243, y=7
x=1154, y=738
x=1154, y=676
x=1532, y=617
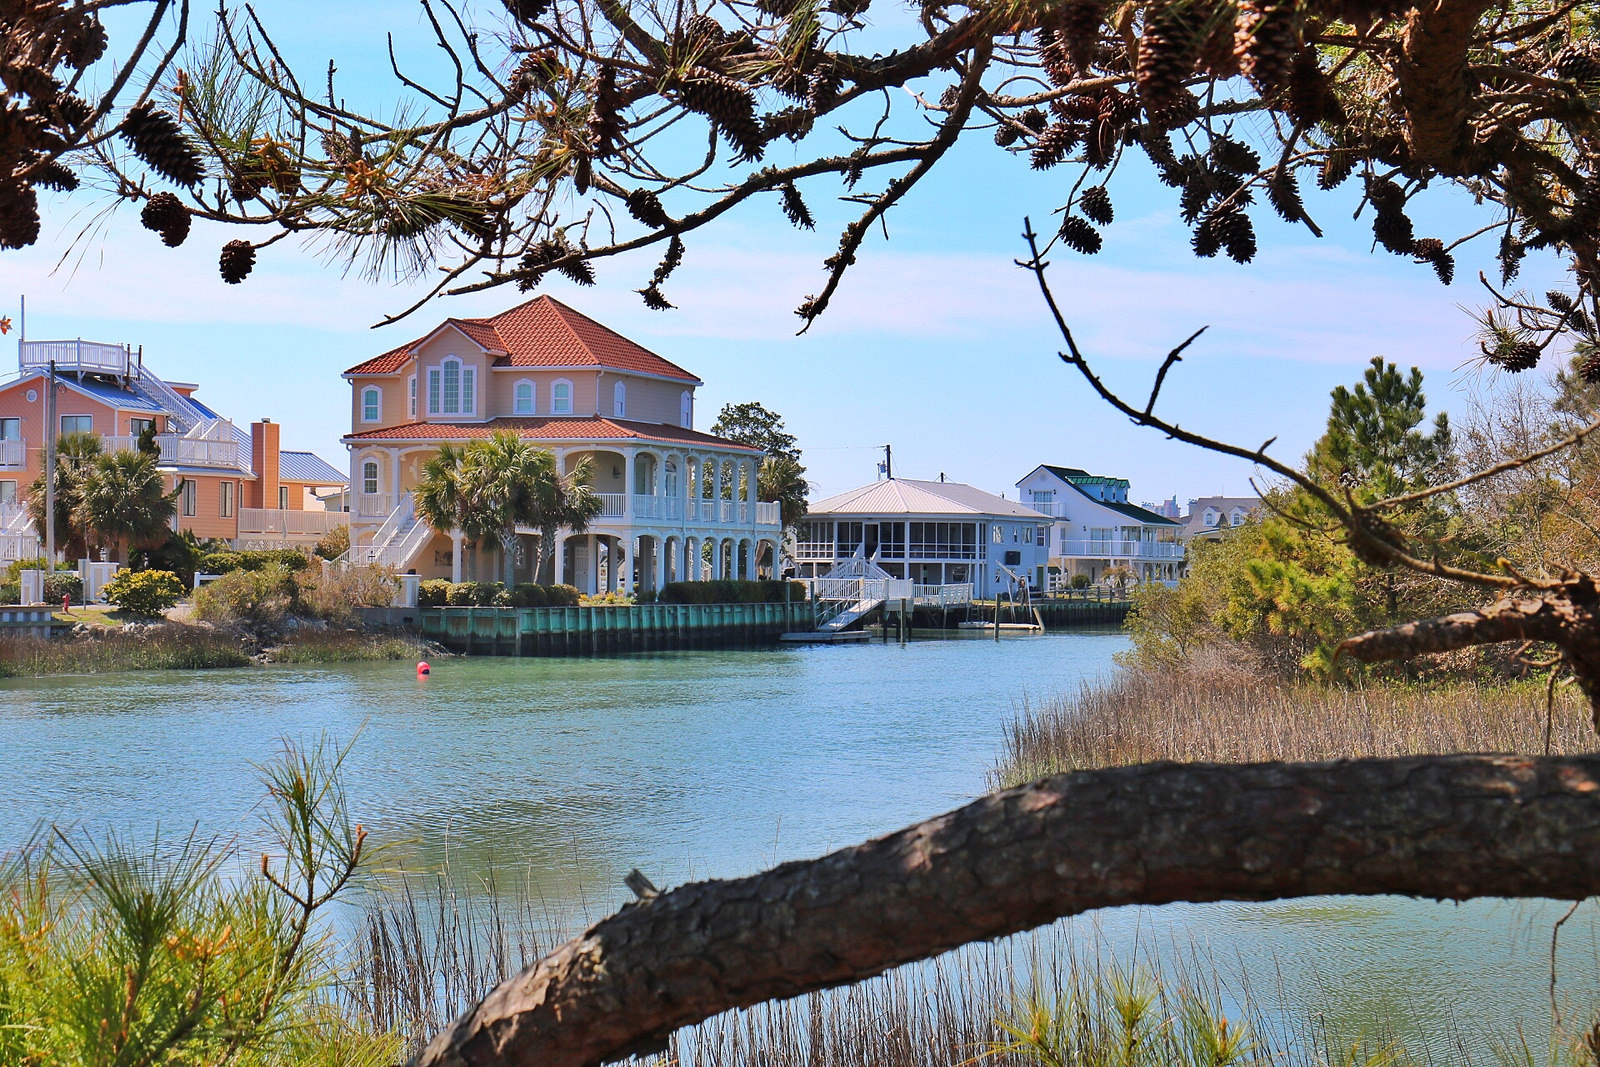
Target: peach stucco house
x=583, y=391
x=235, y=485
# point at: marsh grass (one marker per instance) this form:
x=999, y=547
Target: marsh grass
x=343, y=646
x=166, y=647
x=1232, y=716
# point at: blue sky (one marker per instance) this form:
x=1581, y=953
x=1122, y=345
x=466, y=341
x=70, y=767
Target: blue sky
x=937, y=342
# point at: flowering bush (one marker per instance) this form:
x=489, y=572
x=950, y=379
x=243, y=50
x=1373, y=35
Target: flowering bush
x=147, y=593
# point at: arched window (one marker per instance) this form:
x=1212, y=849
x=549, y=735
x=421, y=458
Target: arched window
x=452, y=388
x=686, y=410
x=522, y=398
x=369, y=476
x=621, y=393
x=371, y=404
x=561, y=397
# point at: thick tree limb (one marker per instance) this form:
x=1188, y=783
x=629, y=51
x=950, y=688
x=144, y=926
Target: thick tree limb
x=1436, y=88
x=1444, y=827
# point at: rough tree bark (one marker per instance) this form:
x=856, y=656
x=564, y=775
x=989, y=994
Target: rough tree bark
x=1443, y=827
x=1435, y=86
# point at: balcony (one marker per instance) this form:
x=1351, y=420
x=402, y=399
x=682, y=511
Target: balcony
x=1118, y=549
x=13, y=453
x=182, y=451
x=76, y=357
x=287, y=524
x=649, y=507
x=373, y=505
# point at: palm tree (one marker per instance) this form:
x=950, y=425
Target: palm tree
x=564, y=500
x=504, y=474
x=75, y=454
x=123, y=502
x=781, y=479
x=443, y=497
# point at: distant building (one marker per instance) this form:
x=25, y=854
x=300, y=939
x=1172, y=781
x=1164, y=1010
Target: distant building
x=232, y=484
x=935, y=533
x=1167, y=509
x=1209, y=515
x=1096, y=529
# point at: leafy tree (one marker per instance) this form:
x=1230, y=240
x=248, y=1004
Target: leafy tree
x=75, y=456
x=442, y=496
x=147, y=593
x=752, y=424
x=148, y=445
x=503, y=474
x=123, y=502
x=782, y=480
x=564, y=501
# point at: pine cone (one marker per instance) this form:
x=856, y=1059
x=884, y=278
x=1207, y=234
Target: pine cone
x=1055, y=58
x=669, y=262
x=238, y=259
x=702, y=30
x=1431, y=250
x=19, y=216
x=645, y=206
x=1393, y=231
x=1510, y=254
x=84, y=41
x=580, y=271
x=1101, y=145
x=729, y=106
x=1516, y=356
x=1283, y=192
x=1337, y=166
x=653, y=298
x=1234, y=157
x=1310, y=99
x=1053, y=144
x=1207, y=241
x=526, y=12
x=54, y=175
x=795, y=208
x=1216, y=56
x=1386, y=195
x=1079, y=31
x=1266, y=41
x=1589, y=365
x=1236, y=232
x=1006, y=134
x=1095, y=203
x=1034, y=119
x=338, y=148
x=156, y=139
x=1078, y=235
x=166, y=215
x=1166, y=54
x=1579, y=62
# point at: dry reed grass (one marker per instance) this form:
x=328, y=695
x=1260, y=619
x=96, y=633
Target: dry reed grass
x=159, y=647
x=1228, y=715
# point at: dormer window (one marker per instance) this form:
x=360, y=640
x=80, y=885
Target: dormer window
x=561, y=398
x=452, y=388
x=620, y=394
x=371, y=404
x=522, y=398
x=1210, y=517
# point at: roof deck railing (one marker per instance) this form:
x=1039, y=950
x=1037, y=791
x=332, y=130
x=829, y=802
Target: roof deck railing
x=75, y=357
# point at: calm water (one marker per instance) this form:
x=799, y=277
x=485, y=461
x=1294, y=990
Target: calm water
x=713, y=764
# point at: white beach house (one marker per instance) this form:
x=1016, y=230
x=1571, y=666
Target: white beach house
x=1093, y=527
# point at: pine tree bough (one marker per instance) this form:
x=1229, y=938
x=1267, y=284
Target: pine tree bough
x=1447, y=827
x=1436, y=89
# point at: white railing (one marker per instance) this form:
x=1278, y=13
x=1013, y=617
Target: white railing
x=813, y=550
x=1123, y=549
x=613, y=505
x=863, y=590
x=399, y=516
x=768, y=513
x=13, y=453
x=14, y=517
x=188, y=451
x=1054, y=508
x=371, y=505
x=181, y=411
x=288, y=523
x=651, y=506
x=402, y=552
x=15, y=546
x=79, y=355
x=944, y=596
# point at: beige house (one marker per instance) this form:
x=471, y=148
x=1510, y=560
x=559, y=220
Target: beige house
x=680, y=505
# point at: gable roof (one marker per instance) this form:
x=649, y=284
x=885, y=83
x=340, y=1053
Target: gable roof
x=1072, y=476
x=308, y=467
x=542, y=332
x=908, y=496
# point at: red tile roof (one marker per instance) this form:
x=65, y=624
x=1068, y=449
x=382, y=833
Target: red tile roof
x=542, y=332
x=590, y=429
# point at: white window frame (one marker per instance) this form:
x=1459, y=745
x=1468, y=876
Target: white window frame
x=469, y=389
x=435, y=390
x=62, y=423
x=556, y=401
x=371, y=474
x=189, y=496
x=411, y=388
x=371, y=402
x=686, y=410
x=8, y=491
x=466, y=377
x=283, y=498
x=450, y=364
x=533, y=397
x=225, y=493
x=619, y=394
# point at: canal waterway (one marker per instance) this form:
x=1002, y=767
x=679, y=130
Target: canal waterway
x=560, y=775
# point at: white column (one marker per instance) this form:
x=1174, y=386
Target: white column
x=716, y=490
x=394, y=455
x=750, y=559
x=455, y=555
x=592, y=579
x=560, y=574
x=627, y=484
x=625, y=579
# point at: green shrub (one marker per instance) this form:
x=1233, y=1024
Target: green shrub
x=729, y=591
x=334, y=543
x=179, y=553
x=1080, y=581
x=433, y=593
x=226, y=560
x=562, y=596
x=10, y=593
x=147, y=593
x=267, y=596
x=529, y=595
x=15, y=568
x=472, y=594
x=334, y=593
x=63, y=584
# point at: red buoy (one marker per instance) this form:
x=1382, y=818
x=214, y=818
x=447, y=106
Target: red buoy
x=423, y=668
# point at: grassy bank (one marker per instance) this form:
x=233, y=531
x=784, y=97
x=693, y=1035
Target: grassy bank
x=176, y=646
x=1231, y=716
